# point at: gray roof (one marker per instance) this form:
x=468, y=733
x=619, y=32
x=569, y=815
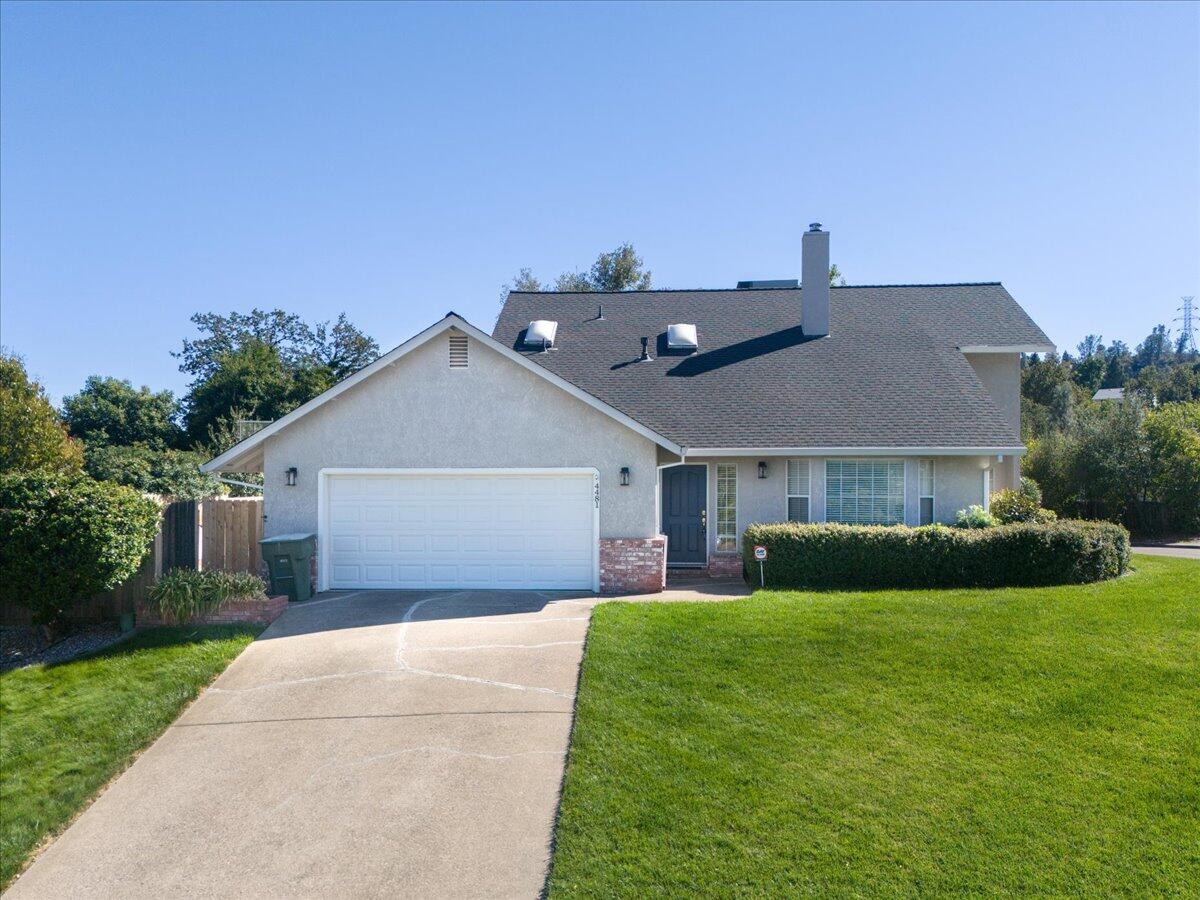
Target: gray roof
x=889, y=374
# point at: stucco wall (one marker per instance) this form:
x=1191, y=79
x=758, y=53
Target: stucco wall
x=493, y=414
x=958, y=482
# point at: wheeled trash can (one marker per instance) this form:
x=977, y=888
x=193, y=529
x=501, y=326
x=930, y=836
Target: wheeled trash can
x=287, y=557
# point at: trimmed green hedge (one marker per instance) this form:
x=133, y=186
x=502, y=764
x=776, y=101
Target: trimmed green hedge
x=851, y=556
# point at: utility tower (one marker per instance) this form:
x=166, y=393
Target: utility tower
x=1185, y=317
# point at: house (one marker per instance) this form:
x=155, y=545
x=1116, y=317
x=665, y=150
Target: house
x=591, y=440
x=1117, y=394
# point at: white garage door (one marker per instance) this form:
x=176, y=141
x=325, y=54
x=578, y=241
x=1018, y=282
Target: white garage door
x=461, y=529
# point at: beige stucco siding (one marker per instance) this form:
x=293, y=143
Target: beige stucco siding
x=958, y=483
x=420, y=413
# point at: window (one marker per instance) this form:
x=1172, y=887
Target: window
x=726, y=506
x=926, y=491
x=797, y=490
x=458, y=351
x=864, y=491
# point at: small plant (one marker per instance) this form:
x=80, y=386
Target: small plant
x=184, y=594
x=974, y=516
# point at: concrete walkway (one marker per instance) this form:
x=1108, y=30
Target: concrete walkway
x=377, y=744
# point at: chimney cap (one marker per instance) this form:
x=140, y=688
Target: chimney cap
x=814, y=226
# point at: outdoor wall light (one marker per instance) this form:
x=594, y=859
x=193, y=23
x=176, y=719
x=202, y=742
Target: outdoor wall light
x=762, y=469
x=291, y=477
x=624, y=476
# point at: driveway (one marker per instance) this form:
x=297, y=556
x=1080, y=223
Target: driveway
x=380, y=743
x=1186, y=549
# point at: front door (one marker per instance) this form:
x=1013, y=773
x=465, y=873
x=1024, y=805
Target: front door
x=685, y=514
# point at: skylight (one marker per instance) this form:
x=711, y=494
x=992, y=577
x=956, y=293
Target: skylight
x=540, y=333
x=681, y=337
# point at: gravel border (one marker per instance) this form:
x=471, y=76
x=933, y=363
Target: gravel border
x=19, y=645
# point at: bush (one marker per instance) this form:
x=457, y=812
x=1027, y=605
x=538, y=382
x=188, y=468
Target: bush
x=183, y=594
x=64, y=538
x=974, y=517
x=32, y=437
x=851, y=556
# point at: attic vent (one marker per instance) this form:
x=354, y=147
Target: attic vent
x=458, y=351
x=681, y=337
x=541, y=333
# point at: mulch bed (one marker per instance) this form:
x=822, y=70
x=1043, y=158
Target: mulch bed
x=20, y=645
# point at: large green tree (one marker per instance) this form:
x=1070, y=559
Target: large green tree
x=339, y=346
x=111, y=411
x=32, y=437
x=263, y=364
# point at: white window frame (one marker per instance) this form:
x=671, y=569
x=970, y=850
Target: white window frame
x=717, y=508
x=932, y=495
x=788, y=496
x=872, y=461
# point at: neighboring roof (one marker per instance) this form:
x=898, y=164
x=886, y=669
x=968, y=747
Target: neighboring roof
x=1109, y=394
x=890, y=373
x=248, y=450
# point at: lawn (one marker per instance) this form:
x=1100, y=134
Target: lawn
x=1011, y=741
x=66, y=730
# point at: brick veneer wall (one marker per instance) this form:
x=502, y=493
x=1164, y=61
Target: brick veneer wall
x=633, y=565
x=722, y=565
x=236, y=612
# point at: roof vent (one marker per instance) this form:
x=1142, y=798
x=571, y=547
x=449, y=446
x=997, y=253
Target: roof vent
x=768, y=284
x=681, y=337
x=540, y=333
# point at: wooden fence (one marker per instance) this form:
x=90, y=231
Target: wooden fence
x=214, y=533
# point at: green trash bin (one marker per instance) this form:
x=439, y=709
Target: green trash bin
x=287, y=557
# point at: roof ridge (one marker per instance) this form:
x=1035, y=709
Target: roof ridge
x=733, y=290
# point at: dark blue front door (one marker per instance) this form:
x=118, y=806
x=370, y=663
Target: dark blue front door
x=684, y=511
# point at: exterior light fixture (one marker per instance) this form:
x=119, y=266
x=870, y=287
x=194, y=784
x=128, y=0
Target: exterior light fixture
x=762, y=469
x=624, y=476
x=291, y=477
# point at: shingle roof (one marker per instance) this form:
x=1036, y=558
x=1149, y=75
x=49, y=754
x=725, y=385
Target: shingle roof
x=889, y=374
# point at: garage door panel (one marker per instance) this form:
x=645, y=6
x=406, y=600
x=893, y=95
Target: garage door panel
x=430, y=530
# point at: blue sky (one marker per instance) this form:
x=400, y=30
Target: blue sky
x=399, y=161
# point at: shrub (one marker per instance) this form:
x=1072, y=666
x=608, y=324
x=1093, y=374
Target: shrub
x=850, y=556
x=1031, y=489
x=64, y=538
x=974, y=517
x=183, y=594
x=1010, y=507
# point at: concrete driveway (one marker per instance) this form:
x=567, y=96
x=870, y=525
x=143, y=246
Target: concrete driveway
x=372, y=744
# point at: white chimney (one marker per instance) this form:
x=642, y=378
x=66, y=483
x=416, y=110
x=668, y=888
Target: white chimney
x=814, y=281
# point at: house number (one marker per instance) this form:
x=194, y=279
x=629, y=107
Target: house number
x=596, y=491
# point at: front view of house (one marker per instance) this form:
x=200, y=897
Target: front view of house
x=594, y=439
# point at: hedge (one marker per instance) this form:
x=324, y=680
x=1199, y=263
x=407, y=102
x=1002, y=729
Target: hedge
x=852, y=556
x=64, y=538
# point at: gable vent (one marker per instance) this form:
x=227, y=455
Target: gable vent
x=458, y=351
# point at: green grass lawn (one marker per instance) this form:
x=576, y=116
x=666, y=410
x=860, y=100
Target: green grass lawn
x=66, y=730
x=1013, y=741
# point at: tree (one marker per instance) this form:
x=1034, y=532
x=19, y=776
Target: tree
x=1154, y=350
x=1118, y=365
x=835, y=277
x=170, y=473
x=32, y=437
x=619, y=270
x=342, y=348
x=253, y=379
x=1089, y=371
x=110, y=411
x=1174, y=437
